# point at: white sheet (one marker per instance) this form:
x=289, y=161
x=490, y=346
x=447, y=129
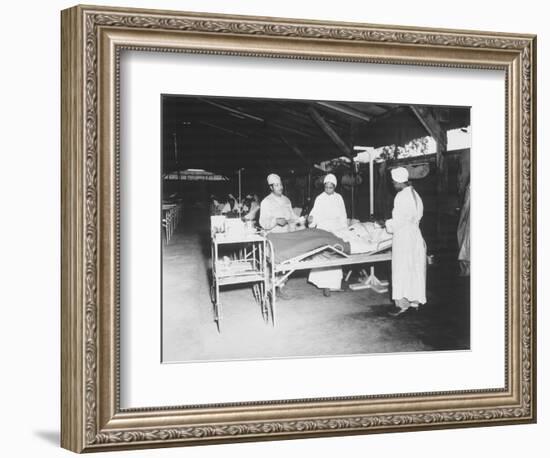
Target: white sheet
x=366, y=237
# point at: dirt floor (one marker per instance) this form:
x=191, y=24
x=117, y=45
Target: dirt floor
x=307, y=324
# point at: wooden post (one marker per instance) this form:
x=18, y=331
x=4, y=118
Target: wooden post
x=352, y=206
x=442, y=191
x=371, y=186
x=330, y=132
x=433, y=128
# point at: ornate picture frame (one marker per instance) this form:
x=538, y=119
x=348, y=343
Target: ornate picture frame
x=92, y=40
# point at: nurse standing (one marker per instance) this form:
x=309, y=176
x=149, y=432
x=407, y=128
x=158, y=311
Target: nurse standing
x=408, y=247
x=329, y=214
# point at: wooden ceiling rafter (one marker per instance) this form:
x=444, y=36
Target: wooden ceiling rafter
x=330, y=132
x=228, y=139
x=235, y=111
x=294, y=133
x=223, y=129
x=296, y=150
x=350, y=112
x=430, y=124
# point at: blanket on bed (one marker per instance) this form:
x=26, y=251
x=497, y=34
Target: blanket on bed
x=291, y=244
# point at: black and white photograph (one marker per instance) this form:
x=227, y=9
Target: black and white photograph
x=313, y=228
x=246, y=229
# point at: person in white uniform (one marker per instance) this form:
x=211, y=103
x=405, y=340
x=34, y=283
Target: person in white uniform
x=408, y=247
x=329, y=214
x=276, y=214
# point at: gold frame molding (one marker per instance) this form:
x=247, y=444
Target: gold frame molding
x=92, y=38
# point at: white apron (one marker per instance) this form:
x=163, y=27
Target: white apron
x=329, y=214
x=408, y=247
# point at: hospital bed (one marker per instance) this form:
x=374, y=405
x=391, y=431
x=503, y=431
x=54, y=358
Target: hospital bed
x=311, y=249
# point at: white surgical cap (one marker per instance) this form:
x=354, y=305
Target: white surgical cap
x=330, y=178
x=400, y=174
x=273, y=178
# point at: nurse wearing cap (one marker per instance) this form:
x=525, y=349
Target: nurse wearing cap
x=408, y=246
x=276, y=212
x=329, y=214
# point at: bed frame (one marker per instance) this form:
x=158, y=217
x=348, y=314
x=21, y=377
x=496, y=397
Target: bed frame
x=279, y=272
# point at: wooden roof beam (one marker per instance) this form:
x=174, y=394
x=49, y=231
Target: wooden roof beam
x=331, y=133
x=296, y=150
x=431, y=125
x=244, y=114
x=278, y=126
x=346, y=110
x=224, y=129
x=229, y=109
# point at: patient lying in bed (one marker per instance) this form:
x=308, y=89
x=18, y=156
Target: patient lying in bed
x=366, y=237
x=357, y=238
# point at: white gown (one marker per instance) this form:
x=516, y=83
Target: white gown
x=329, y=214
x=273, y=207
x=408, y=247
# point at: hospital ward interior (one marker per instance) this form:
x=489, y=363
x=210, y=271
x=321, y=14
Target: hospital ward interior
x=310, y=228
